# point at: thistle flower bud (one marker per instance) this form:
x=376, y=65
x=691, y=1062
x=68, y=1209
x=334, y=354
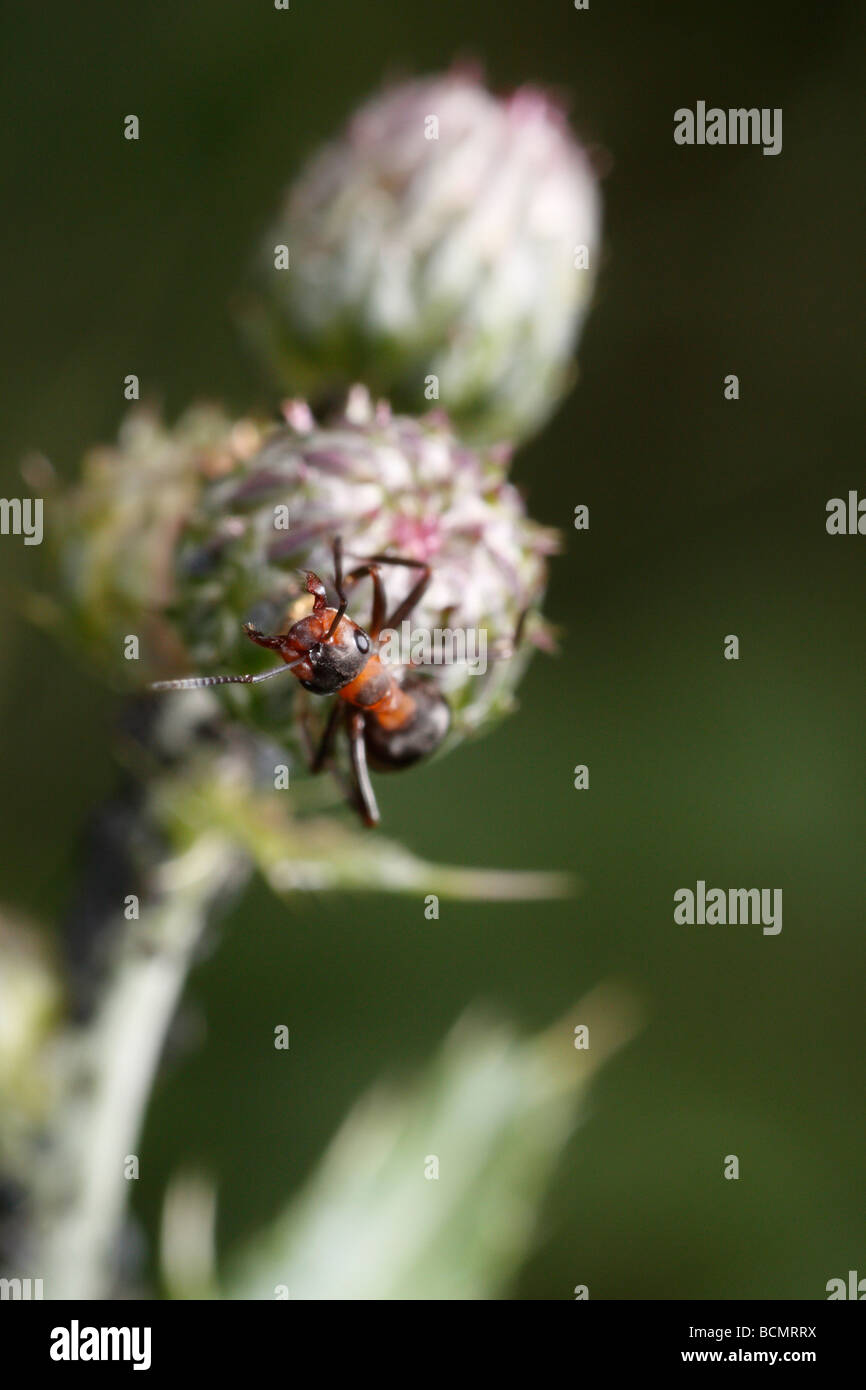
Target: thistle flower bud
x=181, y=536
x=443, y=248
x=385, y=484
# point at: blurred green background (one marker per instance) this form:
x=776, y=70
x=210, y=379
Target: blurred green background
x=707, y=518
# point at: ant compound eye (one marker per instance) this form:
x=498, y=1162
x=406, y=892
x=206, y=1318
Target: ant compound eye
x=314, y=652
x=362, y=641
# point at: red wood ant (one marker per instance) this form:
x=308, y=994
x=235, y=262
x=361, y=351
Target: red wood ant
x=394, y=717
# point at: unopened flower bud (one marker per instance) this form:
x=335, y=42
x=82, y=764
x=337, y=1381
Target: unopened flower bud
x=444, y=247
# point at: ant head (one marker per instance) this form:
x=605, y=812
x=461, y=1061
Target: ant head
x=334, y=650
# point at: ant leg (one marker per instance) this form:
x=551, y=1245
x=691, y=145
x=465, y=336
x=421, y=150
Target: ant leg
x=377, y=619
x=326, y=743
x=304, y=727
x=412, y=599
x=415, y=594
x=317, y=757
x=366, y=797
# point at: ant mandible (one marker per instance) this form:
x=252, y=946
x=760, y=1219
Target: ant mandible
x=393, y=717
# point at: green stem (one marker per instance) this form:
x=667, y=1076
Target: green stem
x=111, y=1068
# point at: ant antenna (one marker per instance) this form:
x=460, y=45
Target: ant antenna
x=338, y=585
x=197, y=682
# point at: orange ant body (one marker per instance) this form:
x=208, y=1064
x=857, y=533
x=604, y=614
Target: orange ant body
x=394, y=717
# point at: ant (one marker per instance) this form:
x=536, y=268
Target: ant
x=393, y=718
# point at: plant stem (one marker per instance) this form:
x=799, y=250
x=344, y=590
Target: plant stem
x=112, y=1063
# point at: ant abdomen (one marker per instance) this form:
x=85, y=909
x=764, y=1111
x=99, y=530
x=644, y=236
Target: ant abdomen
x=416, y=737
